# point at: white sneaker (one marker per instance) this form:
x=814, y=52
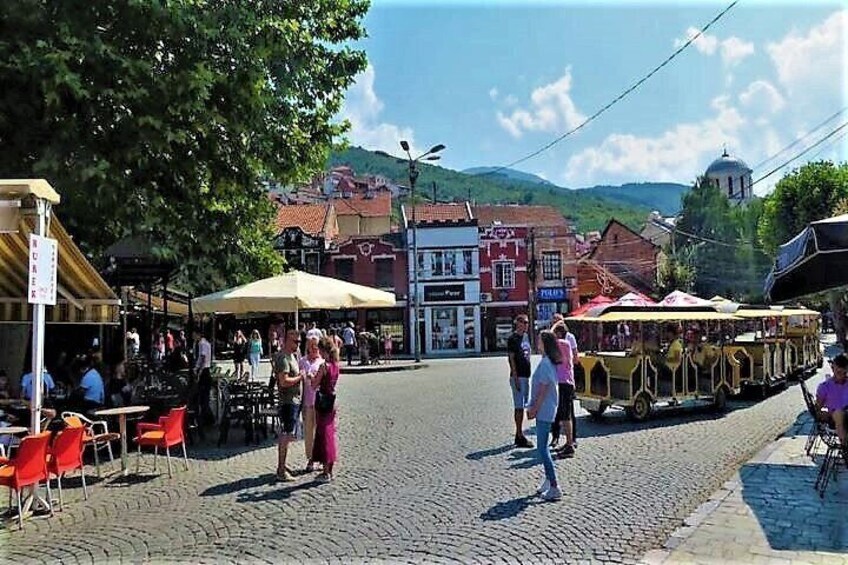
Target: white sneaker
x=544, y=487
x=552, y=494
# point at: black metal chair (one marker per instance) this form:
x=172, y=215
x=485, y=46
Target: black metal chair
x=822, y=433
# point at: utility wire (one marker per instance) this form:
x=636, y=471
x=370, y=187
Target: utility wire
x=802, y=153
x=800, y=139
x=618, y=98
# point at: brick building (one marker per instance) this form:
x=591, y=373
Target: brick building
x=304, y=234
x=628, y=256
x=378, y=262
x=368, y=213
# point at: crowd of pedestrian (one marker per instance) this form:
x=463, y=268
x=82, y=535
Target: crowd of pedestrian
x=546, y=394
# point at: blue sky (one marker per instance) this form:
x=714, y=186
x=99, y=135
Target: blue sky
x=496, y=80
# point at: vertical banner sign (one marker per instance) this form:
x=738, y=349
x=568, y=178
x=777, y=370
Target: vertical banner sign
x=43, y=259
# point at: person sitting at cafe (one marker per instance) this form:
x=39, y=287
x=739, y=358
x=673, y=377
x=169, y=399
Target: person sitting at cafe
x=832, y=395
x=26, y=385
x=5, y=388
x=91, y=385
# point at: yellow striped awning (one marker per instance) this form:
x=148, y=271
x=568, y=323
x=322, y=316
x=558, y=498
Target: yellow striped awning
x=84, y=297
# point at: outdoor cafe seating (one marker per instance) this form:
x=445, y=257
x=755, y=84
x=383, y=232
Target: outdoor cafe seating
x=822, y=433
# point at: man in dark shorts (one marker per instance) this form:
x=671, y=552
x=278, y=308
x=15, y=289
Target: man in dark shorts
x=287, y=370
x=518, y=352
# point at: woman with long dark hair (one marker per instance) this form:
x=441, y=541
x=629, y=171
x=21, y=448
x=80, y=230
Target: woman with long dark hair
x=543, y=407
x=324, y=382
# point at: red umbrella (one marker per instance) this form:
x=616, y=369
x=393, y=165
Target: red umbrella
x=599, y=300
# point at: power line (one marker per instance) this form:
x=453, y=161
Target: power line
x=802, y=153
x=827, y=145
x=618, y=98
x=800, y=139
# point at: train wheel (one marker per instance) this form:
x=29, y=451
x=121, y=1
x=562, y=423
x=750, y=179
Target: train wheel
x=640, y=410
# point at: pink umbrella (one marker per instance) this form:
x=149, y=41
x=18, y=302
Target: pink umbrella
x=679, y=298
x=634, y=299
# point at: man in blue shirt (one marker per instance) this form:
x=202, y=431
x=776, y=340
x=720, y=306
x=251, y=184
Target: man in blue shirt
x=94, y=394
x=26, y=385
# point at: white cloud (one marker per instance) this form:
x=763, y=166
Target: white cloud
x=551, y=110
x=493, y=93
x=812, y=59
x=732, y=50
x=362, y=107
x=762, y=96
x=704, y=43
x=678, y=154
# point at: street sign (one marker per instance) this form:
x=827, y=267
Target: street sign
x=551, y=294
x=43, y=260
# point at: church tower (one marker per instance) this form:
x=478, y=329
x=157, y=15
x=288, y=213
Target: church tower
x=732, y=176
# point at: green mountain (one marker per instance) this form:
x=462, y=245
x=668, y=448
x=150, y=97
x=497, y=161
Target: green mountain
x=662, y=196
x=666, y=197
x=506, y=173
x=587, y=211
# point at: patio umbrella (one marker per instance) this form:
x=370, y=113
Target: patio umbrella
x=634, y=299
x=680, y=299
x=291, y=292
x=813, y=261
x=596, y=301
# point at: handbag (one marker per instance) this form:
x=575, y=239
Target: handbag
x=324, y=401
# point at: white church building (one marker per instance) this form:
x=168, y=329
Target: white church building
x=732, y=176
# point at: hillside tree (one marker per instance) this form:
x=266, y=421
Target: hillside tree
x=160, y=118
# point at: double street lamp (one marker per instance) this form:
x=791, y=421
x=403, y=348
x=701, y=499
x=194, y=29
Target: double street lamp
x=430, y=155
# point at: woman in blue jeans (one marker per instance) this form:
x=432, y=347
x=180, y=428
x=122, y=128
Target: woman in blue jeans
x=543, y=407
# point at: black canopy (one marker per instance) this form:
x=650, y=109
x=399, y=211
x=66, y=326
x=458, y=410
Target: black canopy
x=813, y=261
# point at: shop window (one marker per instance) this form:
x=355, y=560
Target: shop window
x=504, y=272
x=468, y=262
x=444, y=329
x=384, y=273
x=551, y=265
x=344, y=269
x=470, y=342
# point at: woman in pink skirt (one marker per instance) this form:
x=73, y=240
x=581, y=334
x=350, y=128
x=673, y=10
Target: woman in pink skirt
x=324, y=449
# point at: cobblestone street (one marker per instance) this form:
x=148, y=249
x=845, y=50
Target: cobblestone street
x=427, y=473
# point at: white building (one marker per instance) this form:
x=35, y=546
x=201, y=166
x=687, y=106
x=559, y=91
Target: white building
x=448, y=278
x=732, y=176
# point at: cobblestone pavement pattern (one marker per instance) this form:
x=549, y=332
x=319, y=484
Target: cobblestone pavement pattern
x=427, y=474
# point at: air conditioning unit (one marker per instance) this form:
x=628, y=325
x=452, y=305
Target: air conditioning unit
x=485, y=297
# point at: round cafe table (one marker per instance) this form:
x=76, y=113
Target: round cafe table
x=13, y=430
x=122, y=413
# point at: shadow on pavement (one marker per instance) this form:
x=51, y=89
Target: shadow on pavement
x=510, y=508
x=480, y=455
x=239, y=485
x=277, y=493
x=790, y=512
x=133, y=479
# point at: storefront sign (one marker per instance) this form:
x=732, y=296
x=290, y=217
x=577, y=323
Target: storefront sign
x=43, y=256
x=552, y=294
x=444, y=293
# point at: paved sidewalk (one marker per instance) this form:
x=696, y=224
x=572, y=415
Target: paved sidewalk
x=768, y=513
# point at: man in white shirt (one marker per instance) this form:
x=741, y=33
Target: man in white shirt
x=134, y=342
x=202, y=368
x=26, y=385
x=349, y=340
x=314, y=332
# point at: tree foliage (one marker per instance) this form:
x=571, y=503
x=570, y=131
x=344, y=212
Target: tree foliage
x=719, y=239
x=160, y=118
x=809, y=193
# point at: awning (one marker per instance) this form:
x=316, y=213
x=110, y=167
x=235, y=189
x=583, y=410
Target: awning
x=84, y=297
x=175, y=308
x=656, y=316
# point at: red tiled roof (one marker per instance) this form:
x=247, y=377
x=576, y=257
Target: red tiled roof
x=455, y=212
x=519, y=215
x=311, y=218
x=379, y=204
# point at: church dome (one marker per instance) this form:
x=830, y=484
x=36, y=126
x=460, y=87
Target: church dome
x=727, y=164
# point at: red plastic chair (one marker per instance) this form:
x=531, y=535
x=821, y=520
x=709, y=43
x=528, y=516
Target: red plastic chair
x=28, y=468
x=166, y=434
x=66, y=455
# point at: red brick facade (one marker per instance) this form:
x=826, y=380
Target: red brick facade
x=628, y=255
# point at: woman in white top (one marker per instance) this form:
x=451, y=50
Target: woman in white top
x=544, y=397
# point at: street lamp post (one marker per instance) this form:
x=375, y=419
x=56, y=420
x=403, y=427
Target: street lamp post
x=413, y=177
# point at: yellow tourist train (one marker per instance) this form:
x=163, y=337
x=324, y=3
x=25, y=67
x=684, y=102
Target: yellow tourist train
x=659, y=355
